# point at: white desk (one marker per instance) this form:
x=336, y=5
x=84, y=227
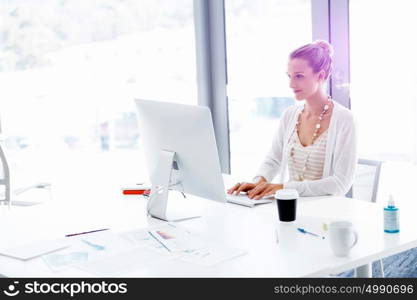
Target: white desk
x=252, y=229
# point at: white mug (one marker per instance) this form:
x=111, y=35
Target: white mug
x=342, y=237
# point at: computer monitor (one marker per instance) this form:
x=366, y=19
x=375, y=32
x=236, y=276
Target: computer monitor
x=180, y=152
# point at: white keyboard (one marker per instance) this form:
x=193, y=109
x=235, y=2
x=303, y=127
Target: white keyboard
x=243, y=199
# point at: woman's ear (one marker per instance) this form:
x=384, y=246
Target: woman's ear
x=322, y=75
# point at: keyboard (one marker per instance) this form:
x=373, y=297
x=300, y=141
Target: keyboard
x=243, y=199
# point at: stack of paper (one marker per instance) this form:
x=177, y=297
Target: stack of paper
x=113, y=254
x=33, y=250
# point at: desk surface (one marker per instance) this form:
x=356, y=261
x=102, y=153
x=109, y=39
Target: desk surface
x=251, y=229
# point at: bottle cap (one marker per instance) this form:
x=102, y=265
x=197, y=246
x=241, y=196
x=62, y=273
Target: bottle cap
x=391, y=202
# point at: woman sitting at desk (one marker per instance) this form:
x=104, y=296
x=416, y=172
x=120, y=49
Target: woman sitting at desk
x=315, y=143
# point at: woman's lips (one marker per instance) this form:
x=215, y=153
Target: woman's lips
x=297, y=91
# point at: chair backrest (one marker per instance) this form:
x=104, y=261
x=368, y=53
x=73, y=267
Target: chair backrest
x=5, y=177
x=365, y=184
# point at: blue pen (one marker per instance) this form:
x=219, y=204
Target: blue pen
x=302, y=230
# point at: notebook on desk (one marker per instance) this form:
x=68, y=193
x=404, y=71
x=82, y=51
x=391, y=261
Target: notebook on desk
x=243, y=199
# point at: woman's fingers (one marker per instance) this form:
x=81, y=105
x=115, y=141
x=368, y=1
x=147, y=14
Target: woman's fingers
x=233, y=188
x=272, y=188
x=253, y=188
x=266, y=192
x=244, y=187
x=260, y=194
x=257, y=190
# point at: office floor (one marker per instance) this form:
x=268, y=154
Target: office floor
x=400, y=265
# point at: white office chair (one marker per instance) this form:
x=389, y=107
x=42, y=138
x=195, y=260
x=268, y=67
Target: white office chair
x=4, y=178
x=365, y=185
x=6, y=194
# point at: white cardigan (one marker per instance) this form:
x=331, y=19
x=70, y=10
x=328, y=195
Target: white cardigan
x=340, y=160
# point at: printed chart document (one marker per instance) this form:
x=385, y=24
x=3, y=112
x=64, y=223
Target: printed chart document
x=191, y=248
x=58, y=261
x=211, y=255
x=117, y=254
x=176, y=239
x=122, y=263
x=86, y=248
x=141, y=251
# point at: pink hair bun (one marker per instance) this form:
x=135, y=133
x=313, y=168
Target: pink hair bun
x=325, y=46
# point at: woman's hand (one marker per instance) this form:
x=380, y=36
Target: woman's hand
x=264, y=189
x=245, y=186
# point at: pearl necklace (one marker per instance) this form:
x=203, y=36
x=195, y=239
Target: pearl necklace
x=316, y=130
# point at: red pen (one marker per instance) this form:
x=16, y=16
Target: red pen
x=74, y=234
x=136, y=192
x=136, y=189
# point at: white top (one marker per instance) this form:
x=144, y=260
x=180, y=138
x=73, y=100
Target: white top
x=306, y=162
x=339, y=163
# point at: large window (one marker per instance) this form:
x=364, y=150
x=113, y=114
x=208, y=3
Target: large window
x=259, y=37
x=384, y=77
x=383, y=80
x=69, y=71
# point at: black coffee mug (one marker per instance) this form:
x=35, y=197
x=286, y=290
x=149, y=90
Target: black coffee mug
x=287, y=204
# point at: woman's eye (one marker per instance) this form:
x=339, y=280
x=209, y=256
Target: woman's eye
x=298, y=76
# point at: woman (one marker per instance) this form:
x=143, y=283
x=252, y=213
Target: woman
x=315, y=144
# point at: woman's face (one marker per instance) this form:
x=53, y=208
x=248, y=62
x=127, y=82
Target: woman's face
x=303, y=81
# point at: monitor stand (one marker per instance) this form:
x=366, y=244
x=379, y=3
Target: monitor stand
x=158, y=199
